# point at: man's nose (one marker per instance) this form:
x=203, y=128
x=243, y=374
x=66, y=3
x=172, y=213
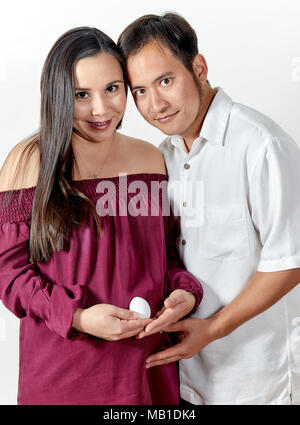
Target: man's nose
x=99, y=106
x=157, y=102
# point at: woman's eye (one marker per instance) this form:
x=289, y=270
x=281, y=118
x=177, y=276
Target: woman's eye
x=112, y=89
x=81, y=95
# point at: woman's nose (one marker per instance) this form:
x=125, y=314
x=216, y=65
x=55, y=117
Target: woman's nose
x=99, y=106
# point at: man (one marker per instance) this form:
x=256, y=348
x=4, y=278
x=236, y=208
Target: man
x=242, y=346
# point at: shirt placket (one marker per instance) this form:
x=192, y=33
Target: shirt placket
x=187, y=180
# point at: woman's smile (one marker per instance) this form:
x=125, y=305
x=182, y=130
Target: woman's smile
x=100, y=126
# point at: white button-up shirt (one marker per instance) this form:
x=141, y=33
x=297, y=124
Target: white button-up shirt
x=240, y=212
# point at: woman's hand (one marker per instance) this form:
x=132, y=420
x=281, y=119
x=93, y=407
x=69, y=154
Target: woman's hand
x=177, y=305
x=108, y=322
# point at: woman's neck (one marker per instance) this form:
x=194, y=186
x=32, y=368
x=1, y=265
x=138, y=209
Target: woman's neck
x=91, y=158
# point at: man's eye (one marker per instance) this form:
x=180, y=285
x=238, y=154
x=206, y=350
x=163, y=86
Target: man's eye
x=165, y=82
x=139, y=92
x=81, y=95
x=112, y=89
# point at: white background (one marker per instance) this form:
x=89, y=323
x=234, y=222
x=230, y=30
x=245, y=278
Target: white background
x=252, y=49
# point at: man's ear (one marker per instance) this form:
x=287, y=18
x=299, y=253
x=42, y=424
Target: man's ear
x=200, y=68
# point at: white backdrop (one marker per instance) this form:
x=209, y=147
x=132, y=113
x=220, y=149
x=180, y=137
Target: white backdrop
x=252, y=48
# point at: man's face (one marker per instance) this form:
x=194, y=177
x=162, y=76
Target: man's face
x=164, y=90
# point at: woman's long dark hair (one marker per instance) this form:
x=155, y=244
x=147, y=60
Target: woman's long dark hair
x=58, y=206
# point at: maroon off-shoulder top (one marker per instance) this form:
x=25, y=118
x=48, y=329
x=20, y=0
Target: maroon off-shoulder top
x=136, y=256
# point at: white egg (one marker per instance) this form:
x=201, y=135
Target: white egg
x=140, y=306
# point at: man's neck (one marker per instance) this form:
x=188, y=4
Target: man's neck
x=208, y=96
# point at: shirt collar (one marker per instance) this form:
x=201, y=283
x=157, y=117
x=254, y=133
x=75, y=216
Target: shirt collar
x=215, y=122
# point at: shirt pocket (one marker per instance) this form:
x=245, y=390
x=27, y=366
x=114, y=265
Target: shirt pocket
x=224, y=235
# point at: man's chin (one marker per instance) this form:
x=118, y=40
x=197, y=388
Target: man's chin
x=167, y=131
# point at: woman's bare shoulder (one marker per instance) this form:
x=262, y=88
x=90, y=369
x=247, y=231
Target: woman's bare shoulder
x=147, y=156
x=21, y=167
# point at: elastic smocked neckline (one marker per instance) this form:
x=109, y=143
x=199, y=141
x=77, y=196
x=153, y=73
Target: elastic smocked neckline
x=19, y=206
x=88, y=182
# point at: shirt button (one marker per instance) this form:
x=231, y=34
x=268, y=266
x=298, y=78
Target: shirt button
x=184, y=203
x=183, y=242
x=187, y=166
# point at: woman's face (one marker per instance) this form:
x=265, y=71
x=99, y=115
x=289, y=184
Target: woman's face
x=100, y=97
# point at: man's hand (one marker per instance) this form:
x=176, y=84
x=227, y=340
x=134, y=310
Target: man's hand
x=262, y=291
x=194, y=335
x=177, y=305
x=108, y=322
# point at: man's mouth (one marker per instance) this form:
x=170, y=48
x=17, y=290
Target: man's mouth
x=166, y=118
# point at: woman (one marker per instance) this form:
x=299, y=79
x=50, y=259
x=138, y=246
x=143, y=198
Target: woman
x=70, y=274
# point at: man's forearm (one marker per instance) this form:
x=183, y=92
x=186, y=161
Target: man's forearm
x=262, y=291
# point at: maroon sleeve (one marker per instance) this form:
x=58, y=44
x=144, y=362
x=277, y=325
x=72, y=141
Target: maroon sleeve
x=25, y=292
x=177, y=277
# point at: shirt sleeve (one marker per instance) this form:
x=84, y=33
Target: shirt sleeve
x=275, y=205
x=176, y=276
x=25, y=292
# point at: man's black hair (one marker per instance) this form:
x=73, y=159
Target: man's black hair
x=170, y=30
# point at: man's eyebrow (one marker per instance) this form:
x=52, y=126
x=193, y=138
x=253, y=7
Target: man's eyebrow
x=161, y=77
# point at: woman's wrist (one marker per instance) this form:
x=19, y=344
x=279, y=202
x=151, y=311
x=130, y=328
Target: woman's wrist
x=77, y=320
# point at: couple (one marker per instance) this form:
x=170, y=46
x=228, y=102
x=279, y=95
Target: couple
x=70, y=274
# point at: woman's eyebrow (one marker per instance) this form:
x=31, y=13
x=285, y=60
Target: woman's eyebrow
x=108, y=84
x=113, y=82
